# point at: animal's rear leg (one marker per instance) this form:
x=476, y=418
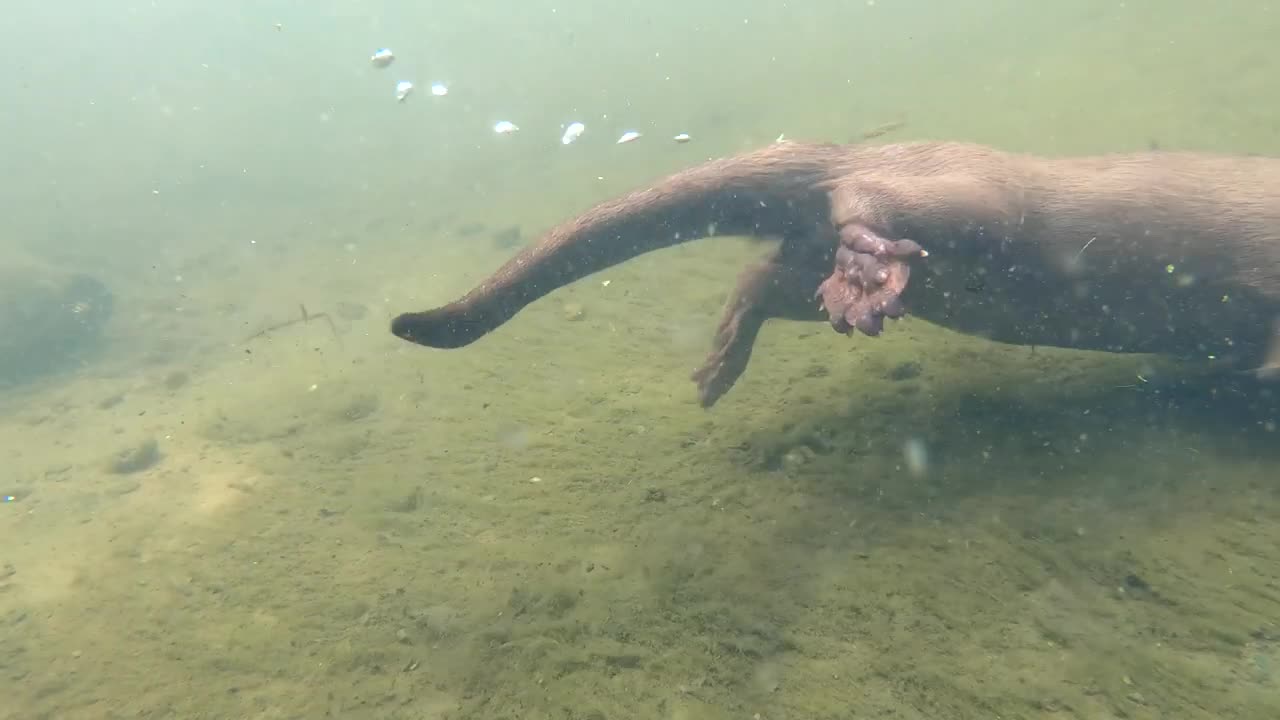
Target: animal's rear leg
x=782, y=286
x=735, y=336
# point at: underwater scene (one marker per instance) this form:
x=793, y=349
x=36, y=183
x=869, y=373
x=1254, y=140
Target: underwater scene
x=680, y=361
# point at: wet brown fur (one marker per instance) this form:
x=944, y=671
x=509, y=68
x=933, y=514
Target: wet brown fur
x=1160, y=252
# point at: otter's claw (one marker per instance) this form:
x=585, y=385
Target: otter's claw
x=870, y=274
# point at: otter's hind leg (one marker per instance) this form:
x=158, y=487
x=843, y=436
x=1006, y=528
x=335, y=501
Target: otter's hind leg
x=780, y=287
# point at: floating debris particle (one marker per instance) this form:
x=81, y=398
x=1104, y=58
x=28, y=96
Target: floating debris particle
x=628, y=136
x=382, y=57
x=504, y=127
x=439, y=89
x=682, y=138
x=403, y=88
x=573, y=132
x=917, y=456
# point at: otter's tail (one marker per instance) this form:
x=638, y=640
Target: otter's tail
x=769, y=192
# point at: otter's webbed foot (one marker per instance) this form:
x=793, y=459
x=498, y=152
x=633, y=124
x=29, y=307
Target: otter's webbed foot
x=735, y=337
x=870, y=274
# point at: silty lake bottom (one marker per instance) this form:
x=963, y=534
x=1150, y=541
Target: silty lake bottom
x=323, y=521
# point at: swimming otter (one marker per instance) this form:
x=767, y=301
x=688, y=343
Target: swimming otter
x=1154, y=252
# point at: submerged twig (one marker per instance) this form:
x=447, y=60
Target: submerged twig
x=303, y=320
x=879, y=130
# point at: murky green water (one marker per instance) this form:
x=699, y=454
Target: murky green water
x=208, y=520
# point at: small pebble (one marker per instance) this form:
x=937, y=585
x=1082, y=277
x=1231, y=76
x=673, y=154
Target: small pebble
x=504, y=127
x=136, y=458
x=439, y=89
x=628, y=136
x=508, y=237
x=403, y=88
x=682, y=138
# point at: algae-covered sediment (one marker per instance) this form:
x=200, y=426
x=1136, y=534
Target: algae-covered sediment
x=354, y=532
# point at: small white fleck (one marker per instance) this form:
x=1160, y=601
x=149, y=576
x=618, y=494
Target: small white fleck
x=535, y=479
x=504, y=127
x=572, y=132
x=439, y=89
x=628, y=136
x=917, y=456
x=605, y=283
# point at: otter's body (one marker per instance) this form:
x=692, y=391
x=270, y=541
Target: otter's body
x=1170, y=253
